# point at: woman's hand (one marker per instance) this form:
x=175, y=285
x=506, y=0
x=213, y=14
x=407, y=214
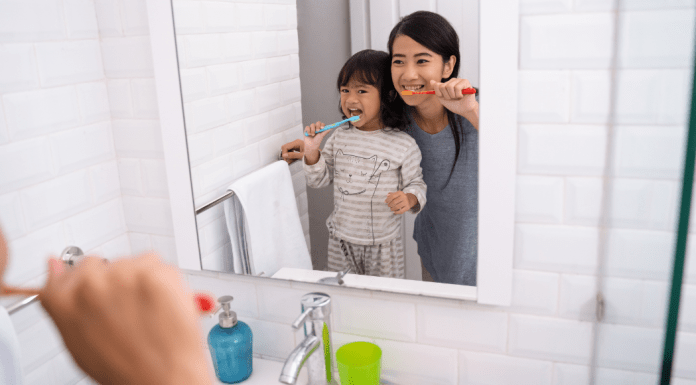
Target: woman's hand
x=292, y=151
x=400, y=202
x=131, y=321
x=450, y=96
x=312, y=142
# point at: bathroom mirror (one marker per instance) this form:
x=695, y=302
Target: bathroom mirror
x=246, y=83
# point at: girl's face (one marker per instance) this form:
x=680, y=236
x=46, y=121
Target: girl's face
x=414, y=66
x=361, y=99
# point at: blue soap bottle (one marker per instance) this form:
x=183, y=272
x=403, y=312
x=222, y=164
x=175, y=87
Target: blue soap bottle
x=230, y=344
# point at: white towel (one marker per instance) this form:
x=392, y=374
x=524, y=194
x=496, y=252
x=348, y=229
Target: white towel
x=10, y=365
x=274, y=236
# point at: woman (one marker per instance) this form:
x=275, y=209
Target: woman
x=424, y=48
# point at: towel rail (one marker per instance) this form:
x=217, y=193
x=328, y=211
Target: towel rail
x=71, y=255
x=214, y=202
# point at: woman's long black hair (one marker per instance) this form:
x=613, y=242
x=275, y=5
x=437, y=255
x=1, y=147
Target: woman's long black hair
x=435, y=33
x=374, y=68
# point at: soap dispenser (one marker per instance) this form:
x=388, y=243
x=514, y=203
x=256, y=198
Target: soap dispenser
x=230, y=344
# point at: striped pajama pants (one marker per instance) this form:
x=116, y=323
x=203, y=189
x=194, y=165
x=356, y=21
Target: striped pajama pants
x=380, y=260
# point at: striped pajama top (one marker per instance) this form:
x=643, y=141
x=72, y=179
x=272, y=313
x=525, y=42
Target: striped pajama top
x=365, y=166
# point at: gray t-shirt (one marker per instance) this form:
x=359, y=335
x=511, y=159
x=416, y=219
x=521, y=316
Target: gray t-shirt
x=446, y=230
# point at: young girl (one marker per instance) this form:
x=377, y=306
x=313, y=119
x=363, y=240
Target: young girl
x=375, y=168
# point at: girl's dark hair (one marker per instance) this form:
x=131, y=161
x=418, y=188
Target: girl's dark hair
x=374, y=68
x=435, y=33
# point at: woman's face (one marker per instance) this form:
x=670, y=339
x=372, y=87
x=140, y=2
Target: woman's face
x=413, y=67
x=361, y=99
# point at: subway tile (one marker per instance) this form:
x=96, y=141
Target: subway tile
x=200, y=146
x=127, y=57
x=228, y=138
x=281, y=119
x=556, y=248
x=4, y=135
x=130, y=177
x=17, y=68
x=105, y=181
x=69, y=62
x=148, y=215
x=241, y=104
x=265, y=44
x=144, y=99
x=276, y=16
x=651, y=4
x=298, y=118
x=534, y=292
x=639, y=254
x=237, y=46
x=269, y=148
x=38, y=344
x=375, y=318
x=268, y=97
x=590, y=98
x=217, y=260
x=139, y=243
x=622, y=298
x=537, y=337
x=97, y=225
x=120, y=98
x=409, y=363
x=219, y=16
x=213, y=175
x=213, y=235
x=462, y=328
x=93, y=99
x=188, y=17
x=35, y=249
x=245, y=294
x=288, y=42
x=594, y=5
x=654, y=303
x=291, y=91
x=80, y=17
x=203, y=49
x=57, y=199
x=193, y=83
x=138, y=138
x=271, y=339
x=649, y=151
x=685, y=356
x=11, y=217
x=109, y=18
x=570, y=374
x=571, y=41
x=495, y=369
x=246, y=160
x=687, y=309
x=24, y=163
x=118, y=247
x=165, y=247
x=32, y=21
x=82, y=147
x=41, y=112
x=561, y=149
x=279, y=68
x=578, y=297
x=543, y=96
x=534, y=7
x=223, y=78
x=539, y=199
x=154, y=178
x=292, y=16
x=249, y=17
x=256, y=128
x=666, y=103
x=629, y=347
x=583, y=201
x=643, y=204
x=657, y=39
x=65, y=371
x=206, y=114
x=295, y=65
x=279, y=303
x=134, y=17
x=253, y=73
x=41, y=375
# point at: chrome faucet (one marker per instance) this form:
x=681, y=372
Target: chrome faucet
x=315, y=349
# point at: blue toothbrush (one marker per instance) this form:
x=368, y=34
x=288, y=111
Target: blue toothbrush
x=330, y=126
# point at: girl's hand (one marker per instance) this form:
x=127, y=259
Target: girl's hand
x=312, y=142
x=131, y=321
x=450, y=96
x=400, y=202
x=292, y=151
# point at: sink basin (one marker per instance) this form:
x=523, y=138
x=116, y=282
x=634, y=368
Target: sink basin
x=266, y=372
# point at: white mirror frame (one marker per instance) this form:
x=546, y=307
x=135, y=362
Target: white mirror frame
x=499, y=21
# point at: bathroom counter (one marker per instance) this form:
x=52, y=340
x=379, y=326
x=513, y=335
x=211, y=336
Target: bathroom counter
x=267, y=372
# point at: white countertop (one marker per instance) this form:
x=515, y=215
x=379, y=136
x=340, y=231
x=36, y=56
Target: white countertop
x=267, y=372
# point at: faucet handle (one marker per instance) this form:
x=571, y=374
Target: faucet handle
x=301, y=319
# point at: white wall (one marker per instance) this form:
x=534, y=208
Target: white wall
x=240, y=73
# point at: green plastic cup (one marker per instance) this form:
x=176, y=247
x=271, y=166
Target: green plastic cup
x=359, y=363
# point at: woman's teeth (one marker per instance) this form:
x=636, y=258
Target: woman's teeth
x=413, y=88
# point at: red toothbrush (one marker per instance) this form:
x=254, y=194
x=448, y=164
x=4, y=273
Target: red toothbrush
x=466, y=91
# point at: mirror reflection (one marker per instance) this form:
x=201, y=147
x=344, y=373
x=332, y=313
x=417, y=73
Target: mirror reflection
x=391, y=193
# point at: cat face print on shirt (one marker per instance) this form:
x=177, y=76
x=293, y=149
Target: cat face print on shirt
x=358, y=175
